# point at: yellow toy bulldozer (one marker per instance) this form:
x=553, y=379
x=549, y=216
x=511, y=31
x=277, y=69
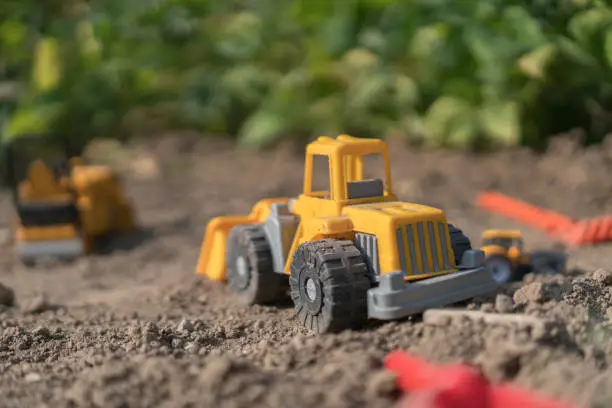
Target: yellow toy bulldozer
x=507, y=260
x=348, y=253
x=504, y=254
x=62, y=205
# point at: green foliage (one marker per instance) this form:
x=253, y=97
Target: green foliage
x=448, y=73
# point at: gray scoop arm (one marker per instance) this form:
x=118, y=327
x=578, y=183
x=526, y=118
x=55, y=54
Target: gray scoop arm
x=395, y=299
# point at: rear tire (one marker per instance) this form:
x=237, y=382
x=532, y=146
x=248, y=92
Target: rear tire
x=459, y=242
x=250, y=272
x=501, y=269
x=329, y=284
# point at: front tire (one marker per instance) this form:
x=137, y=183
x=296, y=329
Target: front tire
x=250, y=273
x=501, y=269
x=329, y=284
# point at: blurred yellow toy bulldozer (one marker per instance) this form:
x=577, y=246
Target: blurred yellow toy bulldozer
x=504, y=252
x=508, y=261
x=347, y=253
x=62, y=205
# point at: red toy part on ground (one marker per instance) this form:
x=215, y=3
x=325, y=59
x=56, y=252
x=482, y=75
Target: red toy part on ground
x=456, y=386
x=556, y=225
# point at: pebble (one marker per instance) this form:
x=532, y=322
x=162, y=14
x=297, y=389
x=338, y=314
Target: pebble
x=603, y=276
x=533, y=292
x=185, y=326
x=38, y=305
x=7, y=296
x=503, y=303
x=32, y=377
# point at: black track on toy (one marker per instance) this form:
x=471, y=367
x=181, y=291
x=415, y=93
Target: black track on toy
x=329, y=284
x=459, y=242
x=249, y=267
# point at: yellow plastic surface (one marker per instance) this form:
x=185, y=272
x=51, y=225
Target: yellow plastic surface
x=99, y=197
x=56, y=232
x=212, y=254
x=501, y=233
x=331, y=214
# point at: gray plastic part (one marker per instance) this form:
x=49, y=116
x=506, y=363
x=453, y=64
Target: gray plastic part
x=548, y=262
x=365, y=188
x=394, y=298
x=367, y=244
x=472, y=258
x=280, y=228
x=65, y=249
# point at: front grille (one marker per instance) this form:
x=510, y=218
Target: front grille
x=423, y=248
x=368, y=246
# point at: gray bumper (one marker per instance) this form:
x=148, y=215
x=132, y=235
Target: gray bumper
x=394, y=298
x=62, y=249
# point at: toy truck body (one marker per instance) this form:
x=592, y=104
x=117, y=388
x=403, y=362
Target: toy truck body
x=348, y=253
x=507, y=260
x=61, y=204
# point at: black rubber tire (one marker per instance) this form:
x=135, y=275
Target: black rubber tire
x=459, y=242
x=258, y=283
x=501, y=269
x=340, y=283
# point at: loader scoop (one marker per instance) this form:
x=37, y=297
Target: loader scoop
x=212, y=255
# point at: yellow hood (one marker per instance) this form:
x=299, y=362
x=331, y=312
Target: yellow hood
x=365, y=216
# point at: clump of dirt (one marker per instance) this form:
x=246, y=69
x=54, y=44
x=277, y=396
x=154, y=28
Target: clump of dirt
x=221, y=382
x=7, y=296
x=134, y=326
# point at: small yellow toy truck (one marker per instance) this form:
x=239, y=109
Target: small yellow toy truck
x=62, y=205
x=347, y=253
x=507, y=260
x=504, y=252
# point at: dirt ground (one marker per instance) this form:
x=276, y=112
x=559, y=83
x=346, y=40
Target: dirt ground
x=134, y=327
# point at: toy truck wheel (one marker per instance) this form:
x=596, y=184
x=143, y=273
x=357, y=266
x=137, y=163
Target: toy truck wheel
x=459, y=242
x=329, y=284
x=501, y=269
x=249, y=267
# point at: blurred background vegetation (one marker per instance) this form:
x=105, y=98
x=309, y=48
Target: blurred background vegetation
x=442, y=72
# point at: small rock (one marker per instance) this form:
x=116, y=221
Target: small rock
x=7, y=296
x=38, y=305
x=151, y=330
x=42, y=332
x=32, y=377
x=202, y=299
x=503, y=303
x=603, y=276
x=185, y=326
x=381, y=384
x=217, y=369
x=192, y=348
x=487, y=308
x=533, y=292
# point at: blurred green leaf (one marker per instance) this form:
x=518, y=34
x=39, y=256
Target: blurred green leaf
x=453, y=73
x=47, y=69
x=441, y=115
x=262, y=128
x=536, y=62
x=501, y=122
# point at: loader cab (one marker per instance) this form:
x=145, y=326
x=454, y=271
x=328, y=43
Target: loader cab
x=506, y=239
x=356, y=171
x=35, y=168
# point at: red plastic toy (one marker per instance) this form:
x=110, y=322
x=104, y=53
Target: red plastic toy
x=556, y=225
x=456, y=386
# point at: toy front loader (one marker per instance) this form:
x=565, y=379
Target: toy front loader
x=61, y=205
x=348, y=253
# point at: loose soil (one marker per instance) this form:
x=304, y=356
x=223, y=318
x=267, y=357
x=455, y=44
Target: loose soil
x=132, y=326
